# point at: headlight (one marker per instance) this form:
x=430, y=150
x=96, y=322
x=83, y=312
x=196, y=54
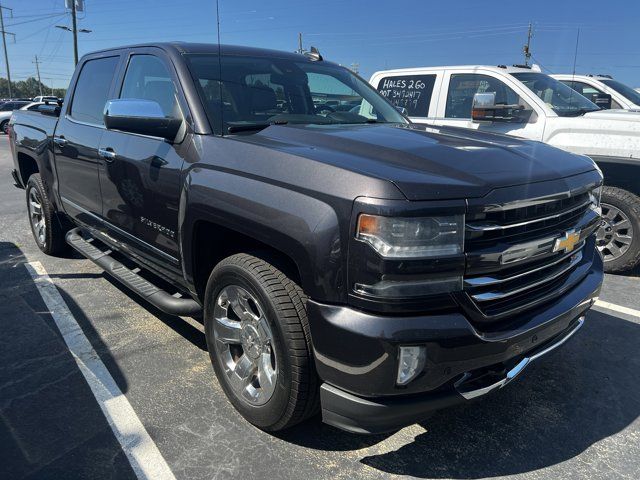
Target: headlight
x=594, y=197
x=412, y=237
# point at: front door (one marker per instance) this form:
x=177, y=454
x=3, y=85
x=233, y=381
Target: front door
x=459, y=100
x=77, y=137
x=140, y=175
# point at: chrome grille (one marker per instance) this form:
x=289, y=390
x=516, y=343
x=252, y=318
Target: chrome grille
x=512, y=264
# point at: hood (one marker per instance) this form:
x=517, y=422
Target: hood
x=425, y=162
x=619, y=114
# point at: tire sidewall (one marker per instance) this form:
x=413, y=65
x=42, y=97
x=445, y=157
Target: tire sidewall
x=34, y=184
x=612, y=197
x=3, y=126
x=270, y=413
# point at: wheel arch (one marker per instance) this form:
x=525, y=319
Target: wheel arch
x=223, y=213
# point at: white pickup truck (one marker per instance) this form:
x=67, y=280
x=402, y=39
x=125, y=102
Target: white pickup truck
x=526, y=103
x=622, y=96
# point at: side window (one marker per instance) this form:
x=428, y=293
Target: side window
x=412, y=92
x=463, y=86
x=7, y=107
x=34, y=107
x=582, y=88
x=147, y=78
x=92, y=90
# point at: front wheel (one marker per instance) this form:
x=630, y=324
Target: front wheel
x=259, y=342
x=618, y=237
x=4, y=126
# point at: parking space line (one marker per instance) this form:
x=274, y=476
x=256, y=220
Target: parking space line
x=617, y=308
x=142, y=453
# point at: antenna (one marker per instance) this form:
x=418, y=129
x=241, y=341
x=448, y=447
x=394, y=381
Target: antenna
x=300, y=49
x=527, y=48
x=575, y=58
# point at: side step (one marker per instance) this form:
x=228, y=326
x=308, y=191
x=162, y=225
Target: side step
x=152, y=294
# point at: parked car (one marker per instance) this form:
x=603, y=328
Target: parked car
x=45, y=98
x=359, y=265
x=6, y=109
x=532, y=105
x=622, y=96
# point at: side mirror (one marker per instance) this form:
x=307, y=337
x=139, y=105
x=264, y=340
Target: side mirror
x=603, y=100
x=144, y=117
x=48, y=109
x=484, y=109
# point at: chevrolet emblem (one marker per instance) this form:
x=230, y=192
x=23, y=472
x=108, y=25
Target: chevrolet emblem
x=567, y=242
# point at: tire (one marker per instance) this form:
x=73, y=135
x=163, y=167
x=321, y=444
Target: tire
x=4, y=125
x=619, y=235
x=45, y=224
x=279, y=304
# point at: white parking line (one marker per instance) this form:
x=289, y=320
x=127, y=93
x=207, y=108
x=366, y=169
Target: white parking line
x=617, y=308
x=142, y=453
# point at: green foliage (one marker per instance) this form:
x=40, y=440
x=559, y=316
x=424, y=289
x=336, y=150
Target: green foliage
x=27, y=89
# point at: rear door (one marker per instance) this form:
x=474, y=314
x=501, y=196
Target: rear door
x=77, y=138
x=415, y=92
x=140, y=176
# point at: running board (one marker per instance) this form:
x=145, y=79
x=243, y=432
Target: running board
x=152, y=294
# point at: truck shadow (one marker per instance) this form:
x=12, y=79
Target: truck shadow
x=50, y=423
x=578, y=396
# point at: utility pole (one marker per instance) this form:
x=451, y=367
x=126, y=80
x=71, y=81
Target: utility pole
x=4, y=44
x=527, y=47
x=75, y=32
x=38, y=70
x=74, y=5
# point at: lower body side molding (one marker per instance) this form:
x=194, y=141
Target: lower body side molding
x=151, y=293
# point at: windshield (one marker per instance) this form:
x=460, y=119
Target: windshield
x=563, y=100
x=627, y=92
x=256, y=92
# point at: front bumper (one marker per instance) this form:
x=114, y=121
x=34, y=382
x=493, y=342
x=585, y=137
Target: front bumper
x=356, y=357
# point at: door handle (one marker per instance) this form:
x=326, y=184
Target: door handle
x=107, y=154
x=60, y=141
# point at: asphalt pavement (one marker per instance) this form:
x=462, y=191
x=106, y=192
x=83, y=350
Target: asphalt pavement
x=572, y=415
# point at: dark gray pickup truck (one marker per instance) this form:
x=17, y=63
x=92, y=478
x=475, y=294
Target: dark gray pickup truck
x=342, y=258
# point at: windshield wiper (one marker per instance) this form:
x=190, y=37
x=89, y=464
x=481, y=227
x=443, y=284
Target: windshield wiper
x=248, y=127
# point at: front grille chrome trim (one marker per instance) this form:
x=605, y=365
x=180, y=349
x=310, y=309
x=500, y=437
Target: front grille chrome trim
x=488, y=296
x=487, y=281
x=493, y=227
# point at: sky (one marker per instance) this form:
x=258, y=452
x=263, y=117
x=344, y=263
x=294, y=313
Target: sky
x=374, y=34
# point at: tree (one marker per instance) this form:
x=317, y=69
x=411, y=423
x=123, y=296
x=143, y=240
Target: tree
x=28, y=88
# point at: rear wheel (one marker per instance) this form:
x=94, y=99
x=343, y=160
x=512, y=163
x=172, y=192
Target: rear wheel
x=259, y=342
x=4, y=126
x=45, y=226
x=618, y=238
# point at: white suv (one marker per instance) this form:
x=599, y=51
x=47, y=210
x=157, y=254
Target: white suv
x=527, y=103
x=622, y=96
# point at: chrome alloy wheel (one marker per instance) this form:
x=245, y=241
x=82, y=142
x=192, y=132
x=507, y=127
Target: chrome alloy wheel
x=615, y=235
x=244, y=345
x=36, y=216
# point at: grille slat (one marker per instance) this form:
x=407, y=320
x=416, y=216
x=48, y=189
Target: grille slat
x=519, y=239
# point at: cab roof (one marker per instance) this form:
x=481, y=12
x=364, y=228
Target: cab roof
x=214, y=48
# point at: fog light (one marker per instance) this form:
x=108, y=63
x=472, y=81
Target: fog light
x=411, y=363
